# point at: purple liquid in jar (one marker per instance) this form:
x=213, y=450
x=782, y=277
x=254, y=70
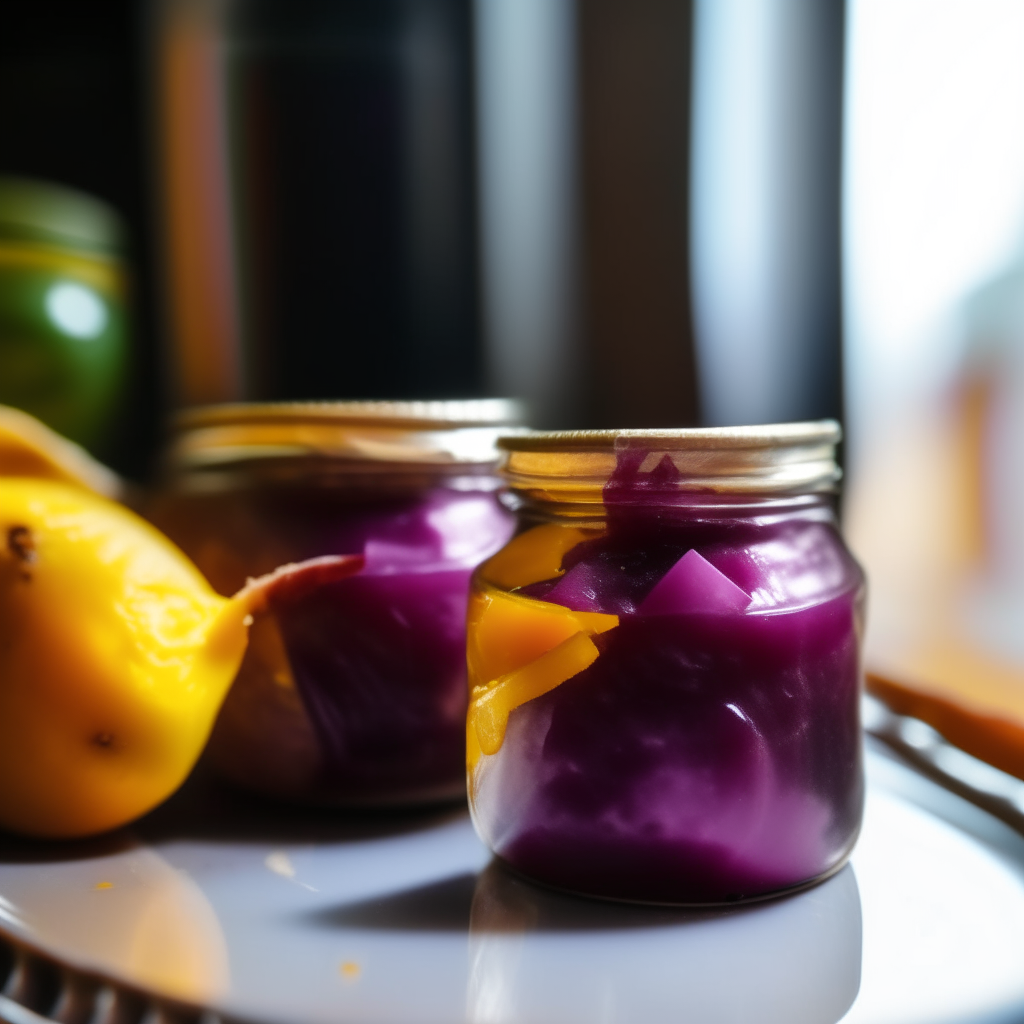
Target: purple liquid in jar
x=712, y=751
x=379, y=658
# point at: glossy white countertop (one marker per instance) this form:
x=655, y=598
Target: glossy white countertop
x=288, y=915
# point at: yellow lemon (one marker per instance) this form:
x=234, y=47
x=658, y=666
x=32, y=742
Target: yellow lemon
x=115, y=656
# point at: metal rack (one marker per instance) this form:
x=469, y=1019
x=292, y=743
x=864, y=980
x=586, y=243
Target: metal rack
x=35, y=989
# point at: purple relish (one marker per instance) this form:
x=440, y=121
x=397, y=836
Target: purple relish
x=379, y=658
x=712, y=752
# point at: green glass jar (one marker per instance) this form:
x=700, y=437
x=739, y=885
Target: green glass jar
x=63, y=330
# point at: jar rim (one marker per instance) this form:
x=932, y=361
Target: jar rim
x=434, y=414
x=358, y=435
x=755, y=437
x=576, y=466
x=45, y=213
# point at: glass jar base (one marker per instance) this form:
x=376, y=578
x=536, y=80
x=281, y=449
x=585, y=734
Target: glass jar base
x=739, y=900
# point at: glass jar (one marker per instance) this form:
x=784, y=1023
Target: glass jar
x=356, y=692
x=63, y=316
x=664, y=665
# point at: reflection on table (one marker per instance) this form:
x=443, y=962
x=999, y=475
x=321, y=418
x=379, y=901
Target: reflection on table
x=795, y=960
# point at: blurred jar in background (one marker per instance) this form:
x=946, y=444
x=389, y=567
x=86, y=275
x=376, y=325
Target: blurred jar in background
x=319, y=199
x=357, y=693
x=63, y=331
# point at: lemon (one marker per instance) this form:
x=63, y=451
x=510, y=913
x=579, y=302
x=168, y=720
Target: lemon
x=115, y=656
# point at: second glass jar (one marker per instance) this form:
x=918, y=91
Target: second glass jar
x=354, y=693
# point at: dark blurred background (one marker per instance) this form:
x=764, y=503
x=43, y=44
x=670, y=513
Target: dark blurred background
x=429, y=198
x=74, y=110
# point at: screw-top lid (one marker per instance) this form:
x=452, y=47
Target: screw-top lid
x=359, y=433
x=575, y=466
x=49, y=214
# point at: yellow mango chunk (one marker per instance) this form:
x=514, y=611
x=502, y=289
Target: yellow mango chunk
x=508, y=631
x=534, y=555
x=473, y=751
x=491, y=705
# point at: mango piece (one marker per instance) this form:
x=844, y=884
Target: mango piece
x=534, y=555
x=491, y=705
x=115, y=656
x=508, y=634
x=473, y=751
x=507, y=631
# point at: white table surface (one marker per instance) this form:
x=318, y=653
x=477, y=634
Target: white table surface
x=292, y=916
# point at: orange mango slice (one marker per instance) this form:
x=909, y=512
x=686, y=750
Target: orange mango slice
x=491, y=705
x=507, y=631
x=534, y=555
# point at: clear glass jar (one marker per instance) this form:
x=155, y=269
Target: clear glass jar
x=356, y=692
x=664, y=665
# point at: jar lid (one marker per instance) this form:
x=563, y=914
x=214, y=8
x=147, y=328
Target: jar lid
x=575, y=465
x=392, y=433
x=49, y=214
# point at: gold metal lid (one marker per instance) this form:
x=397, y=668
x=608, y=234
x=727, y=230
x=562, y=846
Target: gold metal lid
x=360, y=433
x=775, y=459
